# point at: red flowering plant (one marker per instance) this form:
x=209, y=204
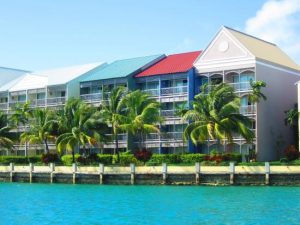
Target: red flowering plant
x=143, y=155
x=291, y=153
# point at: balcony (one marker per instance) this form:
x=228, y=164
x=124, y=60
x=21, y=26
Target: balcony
x=239, y=137
x=152, y=92
x=248, y=109
x=37, y=102
x=241, y=86
x=174, y=91
x=164, y=137
x=95, y=97
x=56, y=101
x=4, y=106
x=168, y=113
x=13, y=104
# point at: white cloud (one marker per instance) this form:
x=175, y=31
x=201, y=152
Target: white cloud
x=278, y=21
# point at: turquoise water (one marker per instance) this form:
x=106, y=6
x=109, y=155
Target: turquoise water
x=94, y=204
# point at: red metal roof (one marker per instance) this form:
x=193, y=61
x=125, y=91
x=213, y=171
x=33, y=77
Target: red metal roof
x=176, y=63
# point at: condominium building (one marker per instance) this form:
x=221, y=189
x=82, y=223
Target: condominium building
x=232, y=57
x=236, y=58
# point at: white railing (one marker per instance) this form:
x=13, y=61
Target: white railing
x=152, y=92
x=37, y=102
x=174, y=90
x=14, y=103
x=167, y=113
x=241, y=86
x=162, y=137
x=95, y=97
x=56, y=101
x=248, y=109
x=4, y=106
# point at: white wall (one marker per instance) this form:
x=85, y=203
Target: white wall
x=272, y=134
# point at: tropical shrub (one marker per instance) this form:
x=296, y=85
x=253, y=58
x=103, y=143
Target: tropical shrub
x=5, y=160
x=192, y=158
x=143, y=155
x=126, y=159
x=291, y=153
x=106, y=159
x=49, y=158
x=68, y=159
x=158, y=159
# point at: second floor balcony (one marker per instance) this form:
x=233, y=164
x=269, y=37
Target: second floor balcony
x=56, y=101
x=94, y=97
x=174, y=90
x=241, y=86
x=248, y=109
x=3, y=106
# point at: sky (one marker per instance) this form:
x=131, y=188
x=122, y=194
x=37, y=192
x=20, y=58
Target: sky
x=37, y=35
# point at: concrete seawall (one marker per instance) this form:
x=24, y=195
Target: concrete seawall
x=154, y=175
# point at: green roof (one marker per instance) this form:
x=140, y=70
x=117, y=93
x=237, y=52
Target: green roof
x=122, y=68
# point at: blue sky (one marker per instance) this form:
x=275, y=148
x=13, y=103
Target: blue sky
x=54, y=33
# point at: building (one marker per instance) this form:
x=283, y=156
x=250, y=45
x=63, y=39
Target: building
x=172, y=82
x=236, y=58
x=96, y=87
x=232, y=57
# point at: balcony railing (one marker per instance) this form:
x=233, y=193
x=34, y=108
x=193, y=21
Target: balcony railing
x=174, y=90
x=152, y=92
x=162, y=137
x=56, y=101
x=170, y=113
x=95, y=97
x=14, y=103
x=248, y=109
x=4, y=106
x=241, y=86
x=37, y=102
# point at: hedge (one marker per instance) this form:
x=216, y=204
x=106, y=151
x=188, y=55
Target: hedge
x=126, y=159
x=5, y=160
x=106, y=159
x=68, y=159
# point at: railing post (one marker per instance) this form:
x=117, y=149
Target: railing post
x=132, y=172
x=31, y=168
x=164, y=172
x=267, y=168
x=231, y=172
x=11, y=169
x=101, y=172
x=74, y=166
x=197, y=169
x=52, y=169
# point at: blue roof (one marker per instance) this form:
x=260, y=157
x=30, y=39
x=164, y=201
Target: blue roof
x=123, y=68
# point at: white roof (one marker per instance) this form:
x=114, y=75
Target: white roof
x=28, y=82
x=36, y=80
x=65, y=75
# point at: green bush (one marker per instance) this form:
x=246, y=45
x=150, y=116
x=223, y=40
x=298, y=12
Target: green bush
x=68, y=159
x=106, y=159
x=5, y=160
x=192, y=158
x=158, y=159
x=126, y=159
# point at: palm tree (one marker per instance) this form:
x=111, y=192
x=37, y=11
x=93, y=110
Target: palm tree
x=256, y=93
x=292, y=117
x=143, y=114
x=113, y=113
x=41, y=128
x=21, y=115
x=79, y=127
x=5, y=134
x=215, y=115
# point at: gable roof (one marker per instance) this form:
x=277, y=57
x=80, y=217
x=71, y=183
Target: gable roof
x=28, y=82
x=176, y=63
x=123, y=68
x=67, y=74
x=264, y=50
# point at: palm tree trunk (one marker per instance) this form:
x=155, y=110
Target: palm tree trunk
x=117, y=147
x=46, y=146
x=73, y=156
